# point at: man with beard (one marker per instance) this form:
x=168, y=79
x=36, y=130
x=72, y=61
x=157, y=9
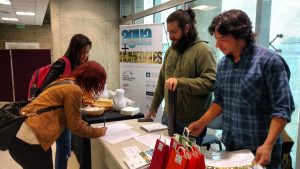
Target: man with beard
x=190, y=68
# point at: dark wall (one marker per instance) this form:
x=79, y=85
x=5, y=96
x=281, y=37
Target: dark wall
x=24, y=63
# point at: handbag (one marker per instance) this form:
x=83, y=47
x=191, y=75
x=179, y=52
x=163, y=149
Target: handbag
x=11, y=120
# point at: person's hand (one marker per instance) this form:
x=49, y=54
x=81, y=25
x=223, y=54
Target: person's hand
x=195, y=129
x=263, y=155
x=150, y=115
x=171, y=84
x=103, y=131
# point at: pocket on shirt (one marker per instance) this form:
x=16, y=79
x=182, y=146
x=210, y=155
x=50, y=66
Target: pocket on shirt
x=251, y=88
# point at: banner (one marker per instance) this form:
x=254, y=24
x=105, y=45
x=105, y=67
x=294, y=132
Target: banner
x=140, y=62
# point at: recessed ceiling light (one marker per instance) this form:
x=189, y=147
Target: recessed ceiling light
x=5, y=2
x=26, y=13
x=10, y=19
x=204, y=7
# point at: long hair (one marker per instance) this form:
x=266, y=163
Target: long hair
x=234, y=22
x=90, y=76
x=77, y=43
x=184, y=17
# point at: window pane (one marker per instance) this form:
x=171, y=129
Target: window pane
x=141, y=5
x=206, y=10
x=159, y=17
x=125, y=6
x=285, y=21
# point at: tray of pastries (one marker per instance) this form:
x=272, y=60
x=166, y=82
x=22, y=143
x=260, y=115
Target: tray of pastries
x=88, y=99
x=93, y=111
x=106, y=103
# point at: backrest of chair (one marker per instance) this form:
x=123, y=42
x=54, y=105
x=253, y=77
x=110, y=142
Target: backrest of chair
x=217, y=123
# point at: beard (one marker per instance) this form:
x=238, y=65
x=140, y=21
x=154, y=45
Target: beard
x=182, y=44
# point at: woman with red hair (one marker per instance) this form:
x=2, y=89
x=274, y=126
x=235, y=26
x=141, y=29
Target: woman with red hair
x=32, y=146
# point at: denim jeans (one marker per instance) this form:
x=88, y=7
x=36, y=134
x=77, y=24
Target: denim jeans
x=63, y=149
x=179, y=126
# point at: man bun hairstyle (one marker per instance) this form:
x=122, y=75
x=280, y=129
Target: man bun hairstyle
x=184, y=17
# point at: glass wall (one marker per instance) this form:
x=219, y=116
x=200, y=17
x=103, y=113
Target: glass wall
x=285, y=21
x=126, y=8
x=158, y=18
x=129, y=7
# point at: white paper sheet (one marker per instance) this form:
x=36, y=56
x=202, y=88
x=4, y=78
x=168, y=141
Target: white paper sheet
x=150, y=139
x=117, y=137
x=129, y=151
x=229, y=159
x=114, y=128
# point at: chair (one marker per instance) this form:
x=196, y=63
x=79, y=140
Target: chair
x=209, y=139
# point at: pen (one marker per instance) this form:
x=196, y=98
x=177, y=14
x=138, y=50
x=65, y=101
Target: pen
x=104, y=120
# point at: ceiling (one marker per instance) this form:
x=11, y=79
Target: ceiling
x=39, y=7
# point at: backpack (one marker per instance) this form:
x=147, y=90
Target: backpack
x=38, y=77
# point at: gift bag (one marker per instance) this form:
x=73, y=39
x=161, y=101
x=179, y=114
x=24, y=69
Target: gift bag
x=160, y=155
x=192, y=158
x=200, y=157
x=177, y=159
x=184, y=138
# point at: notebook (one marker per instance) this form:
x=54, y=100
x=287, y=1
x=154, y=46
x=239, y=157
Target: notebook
x=153, y=127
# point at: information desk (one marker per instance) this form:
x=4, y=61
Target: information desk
x=82, y=146
x=111, y=156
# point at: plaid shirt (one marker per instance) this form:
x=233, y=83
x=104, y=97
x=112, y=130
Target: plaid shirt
x=251, y=92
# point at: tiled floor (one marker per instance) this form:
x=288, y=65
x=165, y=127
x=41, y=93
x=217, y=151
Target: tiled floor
x=8, y=163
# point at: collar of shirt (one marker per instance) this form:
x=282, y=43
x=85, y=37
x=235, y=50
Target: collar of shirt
x=247, y=52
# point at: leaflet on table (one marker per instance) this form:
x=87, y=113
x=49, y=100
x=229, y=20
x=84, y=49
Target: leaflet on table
x=135, y=158
x=229, y=159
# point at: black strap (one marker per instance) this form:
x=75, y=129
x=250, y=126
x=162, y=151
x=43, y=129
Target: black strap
x=65, y=81
x=46, y=109
x=172, y=112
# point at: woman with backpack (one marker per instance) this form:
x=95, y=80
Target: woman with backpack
x=76, y=54
x=32, y=146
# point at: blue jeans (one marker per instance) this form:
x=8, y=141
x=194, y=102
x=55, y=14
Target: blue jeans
x=179, y=126
x=63, y=149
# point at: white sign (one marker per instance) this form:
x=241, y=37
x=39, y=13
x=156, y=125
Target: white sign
x=140, y=62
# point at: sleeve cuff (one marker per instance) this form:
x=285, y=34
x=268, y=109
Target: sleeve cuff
x=282, y=115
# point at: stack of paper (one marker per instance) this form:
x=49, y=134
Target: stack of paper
x=154, y=127
x=130, y=111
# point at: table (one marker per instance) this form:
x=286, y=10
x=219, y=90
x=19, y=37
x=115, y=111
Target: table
x=108, y=156
x=82, y=146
